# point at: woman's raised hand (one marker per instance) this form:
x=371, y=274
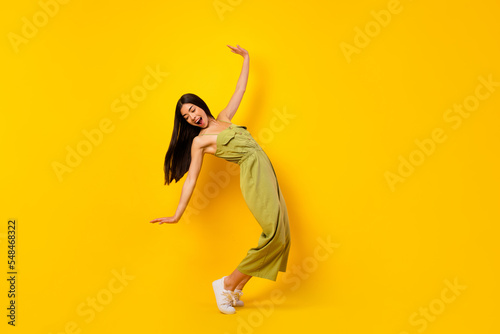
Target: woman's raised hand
x=239, y=50
x=171, y=220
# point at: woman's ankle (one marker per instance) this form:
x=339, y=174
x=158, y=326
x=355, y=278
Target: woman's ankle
x=228, y=285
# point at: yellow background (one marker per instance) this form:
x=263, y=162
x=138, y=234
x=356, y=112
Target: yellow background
x=349, y=121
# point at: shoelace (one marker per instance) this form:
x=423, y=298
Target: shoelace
x=230, y=298
x=237, y=295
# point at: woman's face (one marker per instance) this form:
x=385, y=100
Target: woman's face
x=194, y=115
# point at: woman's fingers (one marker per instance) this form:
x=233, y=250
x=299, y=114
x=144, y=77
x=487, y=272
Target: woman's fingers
x=157, y=220
x=236, y=49
x=164, y=220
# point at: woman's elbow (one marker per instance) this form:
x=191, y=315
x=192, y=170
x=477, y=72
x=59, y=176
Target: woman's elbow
x=191, y=179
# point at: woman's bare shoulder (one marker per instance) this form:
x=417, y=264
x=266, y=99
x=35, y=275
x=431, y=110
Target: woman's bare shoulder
x=203, y=143
x=200, y=141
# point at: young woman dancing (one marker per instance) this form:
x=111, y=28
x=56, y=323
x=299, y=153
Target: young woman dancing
x=197, y=132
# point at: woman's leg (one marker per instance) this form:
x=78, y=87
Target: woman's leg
x=241, y=285
x=236, y=280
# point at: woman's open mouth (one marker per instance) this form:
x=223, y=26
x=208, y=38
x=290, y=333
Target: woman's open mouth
x=200, y=120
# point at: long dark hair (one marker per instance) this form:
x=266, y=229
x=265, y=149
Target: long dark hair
x=178, y=157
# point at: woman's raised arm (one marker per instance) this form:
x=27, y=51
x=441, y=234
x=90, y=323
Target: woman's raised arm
x=189, y=184
x=229, y=111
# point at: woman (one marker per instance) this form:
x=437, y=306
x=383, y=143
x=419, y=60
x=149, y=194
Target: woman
x=197, y=132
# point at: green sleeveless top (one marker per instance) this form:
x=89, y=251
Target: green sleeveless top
x=235, y=143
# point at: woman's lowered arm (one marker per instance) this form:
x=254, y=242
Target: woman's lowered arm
x=189, y=184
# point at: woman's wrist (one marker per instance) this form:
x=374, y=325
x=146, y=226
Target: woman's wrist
x=177, y=216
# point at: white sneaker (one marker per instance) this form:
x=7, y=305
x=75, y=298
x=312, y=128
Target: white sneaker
x=224, y=298
x=237, y=295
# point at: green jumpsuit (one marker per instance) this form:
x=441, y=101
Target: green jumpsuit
x=260, y=189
